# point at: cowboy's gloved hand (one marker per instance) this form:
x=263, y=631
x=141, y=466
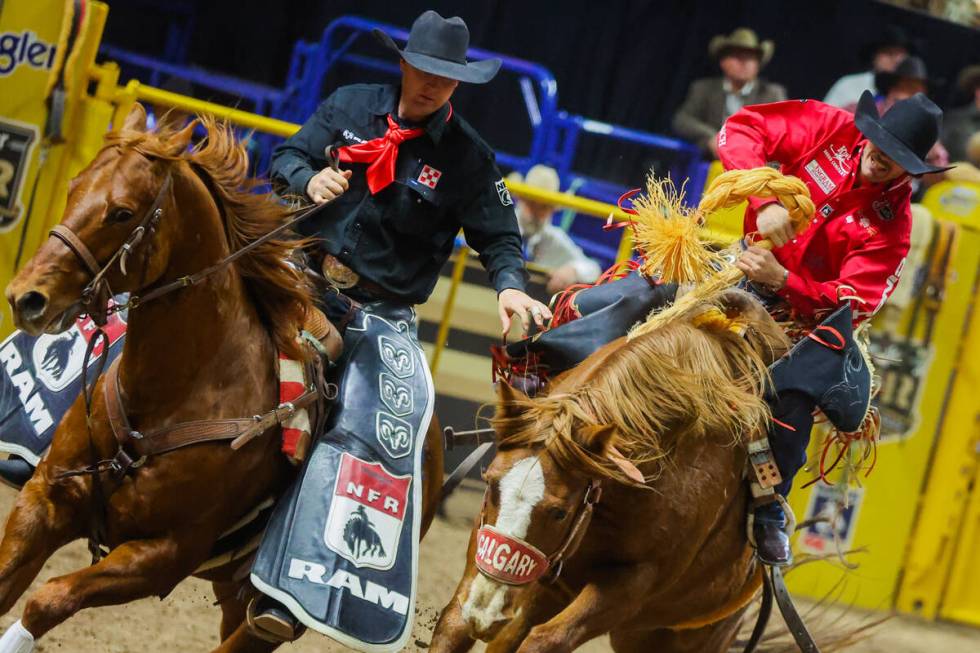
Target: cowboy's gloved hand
x=513, y=302
x=327, y=185
x=773, y=223
x=761, y=266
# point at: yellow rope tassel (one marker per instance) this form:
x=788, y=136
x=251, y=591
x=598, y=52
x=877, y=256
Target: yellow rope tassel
x=683, y=242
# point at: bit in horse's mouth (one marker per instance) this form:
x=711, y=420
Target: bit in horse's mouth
x=61, y=322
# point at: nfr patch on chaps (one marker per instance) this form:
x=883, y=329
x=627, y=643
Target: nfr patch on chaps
x=341, y=548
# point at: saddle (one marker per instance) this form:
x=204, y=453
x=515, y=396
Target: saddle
x=606, y=312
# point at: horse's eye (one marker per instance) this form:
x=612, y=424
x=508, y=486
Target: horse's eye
x=558, y=514
x=120, y=215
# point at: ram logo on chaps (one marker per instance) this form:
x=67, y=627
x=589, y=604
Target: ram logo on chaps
x=394, y=434
x=397, y=396
x=367, y=513
x=396, y=358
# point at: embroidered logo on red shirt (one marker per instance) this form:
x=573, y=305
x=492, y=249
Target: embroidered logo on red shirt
x=820, y=176
x=429, y=176
x=839, y=157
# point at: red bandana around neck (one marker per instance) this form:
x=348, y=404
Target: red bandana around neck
x=381, y=153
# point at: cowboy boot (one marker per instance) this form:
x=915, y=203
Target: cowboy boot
x=272, y=621
x=15, y=471
x=769, y=531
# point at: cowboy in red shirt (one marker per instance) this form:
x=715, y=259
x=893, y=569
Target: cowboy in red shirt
x=857, y=168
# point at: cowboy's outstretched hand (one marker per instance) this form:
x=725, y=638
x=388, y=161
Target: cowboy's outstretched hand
x=512, y=302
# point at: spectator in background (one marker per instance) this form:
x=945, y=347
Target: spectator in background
x=712, y=100
x=884, y=54
x=964, y=122
x=544, y=243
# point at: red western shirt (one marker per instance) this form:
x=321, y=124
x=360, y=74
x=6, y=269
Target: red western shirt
x=856, y=243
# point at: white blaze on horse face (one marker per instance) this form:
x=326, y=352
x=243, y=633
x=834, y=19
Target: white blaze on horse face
x=521, y=488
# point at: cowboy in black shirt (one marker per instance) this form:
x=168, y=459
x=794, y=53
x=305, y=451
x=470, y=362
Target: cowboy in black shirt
x=398, y=238
x=411, y=174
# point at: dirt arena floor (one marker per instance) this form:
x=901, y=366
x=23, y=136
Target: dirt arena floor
x=187, y=621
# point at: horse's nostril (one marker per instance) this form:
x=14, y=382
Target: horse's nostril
x=31, y=304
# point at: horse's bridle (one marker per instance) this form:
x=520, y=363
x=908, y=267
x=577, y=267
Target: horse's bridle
x=95, y=295
x=573, y=537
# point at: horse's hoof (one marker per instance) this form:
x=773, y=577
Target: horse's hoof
x=15, y=471
x=270, y=620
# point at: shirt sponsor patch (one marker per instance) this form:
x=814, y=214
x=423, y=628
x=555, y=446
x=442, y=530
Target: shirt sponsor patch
x=429, y=176
x=503, y=193
x=826, y=210
x=839, y=158
x=883, y=209
x=820, y=177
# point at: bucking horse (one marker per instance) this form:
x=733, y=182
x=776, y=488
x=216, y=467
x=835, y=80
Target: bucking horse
x=617, y=500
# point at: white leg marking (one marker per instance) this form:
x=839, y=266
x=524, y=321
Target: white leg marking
x=16, y=639
x=521, y=488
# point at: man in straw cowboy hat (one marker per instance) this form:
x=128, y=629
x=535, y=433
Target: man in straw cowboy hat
x=401, y=173
x=858, y=168
x=741, y=56
x=963, y=122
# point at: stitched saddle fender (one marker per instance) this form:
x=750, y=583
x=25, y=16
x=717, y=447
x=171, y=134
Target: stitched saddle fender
x=828, y=367
x=607, y=312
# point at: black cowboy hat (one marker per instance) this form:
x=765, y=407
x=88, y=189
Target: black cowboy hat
x=910, y=68
x=890, y=36
x=905, y=133
x=438, y=46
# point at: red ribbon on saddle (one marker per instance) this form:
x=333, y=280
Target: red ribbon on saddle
x=507, y=559
x=382, y=153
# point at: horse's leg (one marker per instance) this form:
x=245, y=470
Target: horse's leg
x=451, y=634
x=598, y=609
x=243, y=641
x=432, y=474
x=40, y=523
x=536, y=607
x=233, y=608
x=713, y=638
x=133, y=570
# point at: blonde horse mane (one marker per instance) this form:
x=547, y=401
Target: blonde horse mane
x=278, y=289
x=691, y=378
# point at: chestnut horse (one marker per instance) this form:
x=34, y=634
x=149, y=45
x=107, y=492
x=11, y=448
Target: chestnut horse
x=203, y=352
x=662, y=565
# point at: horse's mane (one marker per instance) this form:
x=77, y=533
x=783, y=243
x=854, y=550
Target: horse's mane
x=689, y=378
x=280, y=291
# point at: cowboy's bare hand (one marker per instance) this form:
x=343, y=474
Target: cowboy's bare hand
x=761, y=266
x=512, y=302
x=773, y=223
x=328, y=184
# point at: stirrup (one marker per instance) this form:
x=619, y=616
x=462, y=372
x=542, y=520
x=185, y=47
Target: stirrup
x=269, y=627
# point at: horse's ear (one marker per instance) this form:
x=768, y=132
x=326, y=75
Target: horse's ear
x=135, y=119
x=510, y=401
x=598, y=440
x=179, y=142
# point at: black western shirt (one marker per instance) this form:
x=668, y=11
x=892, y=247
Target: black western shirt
x=401, y=237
